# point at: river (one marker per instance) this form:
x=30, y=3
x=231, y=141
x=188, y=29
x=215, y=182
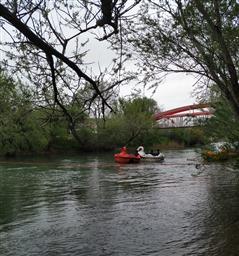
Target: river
x=89, y=205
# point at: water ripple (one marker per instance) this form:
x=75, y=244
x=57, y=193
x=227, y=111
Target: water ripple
x=93, y=206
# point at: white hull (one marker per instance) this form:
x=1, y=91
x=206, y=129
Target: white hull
x=153, y=159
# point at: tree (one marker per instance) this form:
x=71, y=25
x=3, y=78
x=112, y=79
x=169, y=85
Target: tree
x=137, y=119
x=46, y=42
x=195, y=37
x=19, y=126
x=224, y=124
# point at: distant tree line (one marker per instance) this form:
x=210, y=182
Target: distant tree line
x=27, y=128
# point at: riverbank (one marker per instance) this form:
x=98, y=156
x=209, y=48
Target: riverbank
x=74, y=149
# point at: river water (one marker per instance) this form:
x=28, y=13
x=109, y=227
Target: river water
x=89, y=205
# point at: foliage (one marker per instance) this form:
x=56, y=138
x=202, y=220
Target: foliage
x=19, y=129
x=26, y=128
x=185, y=137
x=47, y=43
x=137, y=121
x=224, y=126
x=171, y=36
x=131, y=125
x=195, y=37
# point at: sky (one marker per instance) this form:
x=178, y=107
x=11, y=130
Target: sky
x=175, y=91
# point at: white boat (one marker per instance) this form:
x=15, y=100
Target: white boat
x=148, y=156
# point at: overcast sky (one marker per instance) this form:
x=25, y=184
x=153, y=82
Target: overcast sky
x=175, y=91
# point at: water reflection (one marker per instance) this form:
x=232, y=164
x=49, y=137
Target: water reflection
x=93, y=206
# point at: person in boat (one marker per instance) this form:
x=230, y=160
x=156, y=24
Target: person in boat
x=157, y=152
x=154, y=153
x=151, y=152
x=123, y=150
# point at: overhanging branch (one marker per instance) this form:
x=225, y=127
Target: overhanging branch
x=46, y=48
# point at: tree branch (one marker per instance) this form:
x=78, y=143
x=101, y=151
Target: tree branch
x=48, y=49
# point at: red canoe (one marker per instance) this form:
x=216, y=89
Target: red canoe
x=124, y=158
